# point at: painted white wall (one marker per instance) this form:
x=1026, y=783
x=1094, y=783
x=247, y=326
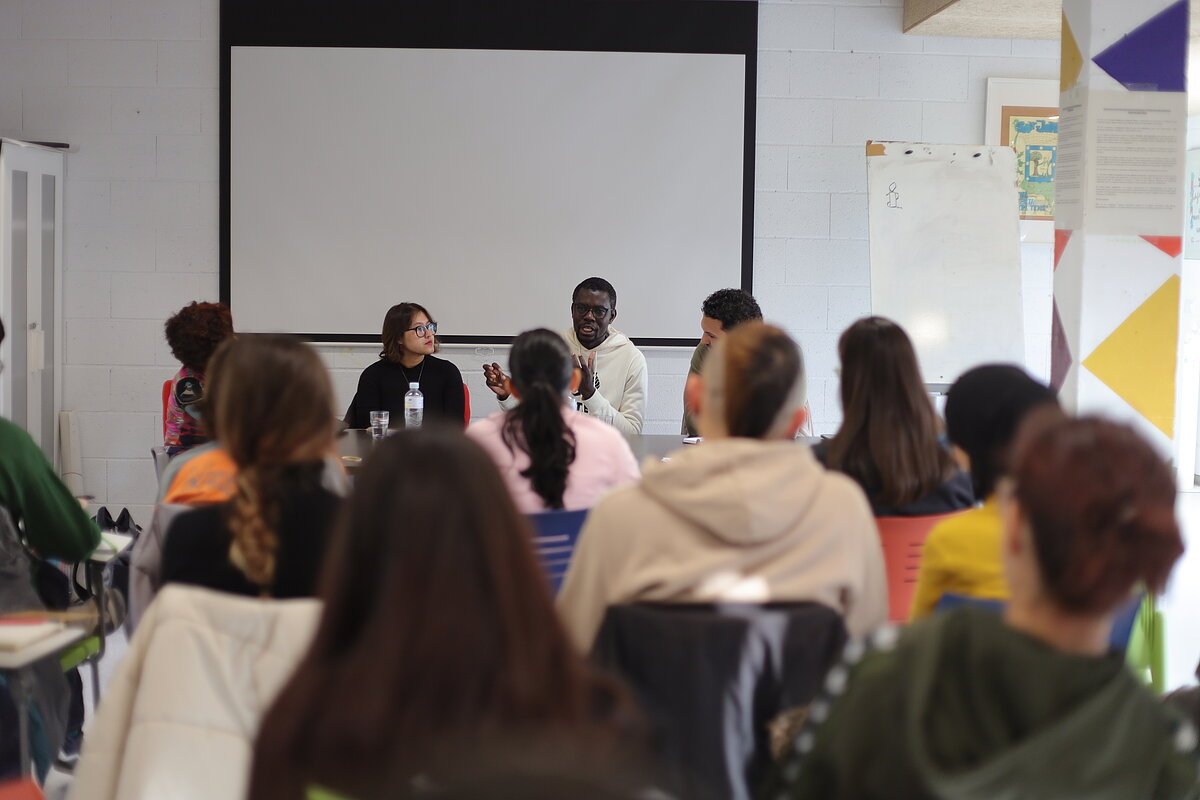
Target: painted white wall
x=132, y=84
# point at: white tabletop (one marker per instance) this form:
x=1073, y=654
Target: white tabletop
x=104, y=553
x=41, y=648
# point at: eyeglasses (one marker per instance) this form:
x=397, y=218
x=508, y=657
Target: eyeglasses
x=421, y=330
x=581, y=310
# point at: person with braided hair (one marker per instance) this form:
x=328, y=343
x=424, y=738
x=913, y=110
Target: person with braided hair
x=273, y=415
x=550, y=455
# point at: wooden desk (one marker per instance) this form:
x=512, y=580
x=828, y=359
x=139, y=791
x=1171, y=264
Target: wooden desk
x=16, y=666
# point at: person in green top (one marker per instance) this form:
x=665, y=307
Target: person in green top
x=53, y=522
x=972, y=705
x=720, y=312
x=53, y=525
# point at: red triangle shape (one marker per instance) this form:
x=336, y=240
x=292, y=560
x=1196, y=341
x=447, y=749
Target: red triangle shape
x=1171, y=245
x=1061, y=238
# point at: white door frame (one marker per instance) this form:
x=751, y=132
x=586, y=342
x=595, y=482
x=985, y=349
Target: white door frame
x=41, y=228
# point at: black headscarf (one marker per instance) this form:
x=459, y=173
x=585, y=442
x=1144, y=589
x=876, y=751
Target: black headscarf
x=984, y=409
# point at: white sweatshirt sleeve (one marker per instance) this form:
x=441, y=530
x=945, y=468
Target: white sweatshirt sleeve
x=630, y=414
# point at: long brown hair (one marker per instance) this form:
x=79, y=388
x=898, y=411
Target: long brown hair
x=438, y=632
x=888, y=441
x=273, y=407
x=396, y=322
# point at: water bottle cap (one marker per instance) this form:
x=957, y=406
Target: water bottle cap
x=414, y=385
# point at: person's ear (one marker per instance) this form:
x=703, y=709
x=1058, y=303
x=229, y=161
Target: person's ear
x=693, y=394
x=612, y=315
x=799, y=417
x=576, y=378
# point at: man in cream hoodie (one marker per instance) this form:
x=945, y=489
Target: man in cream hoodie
x=613, y=371
x=746, y=516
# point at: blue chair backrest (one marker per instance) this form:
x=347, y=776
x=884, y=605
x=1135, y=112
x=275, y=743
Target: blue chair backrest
x=554, y=537
x=1122, y=628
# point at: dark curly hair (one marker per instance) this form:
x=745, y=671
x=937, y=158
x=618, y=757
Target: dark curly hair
x=731, y=307
x=195, y=332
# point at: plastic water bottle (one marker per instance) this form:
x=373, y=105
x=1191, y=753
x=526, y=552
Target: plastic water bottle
x=414, y=405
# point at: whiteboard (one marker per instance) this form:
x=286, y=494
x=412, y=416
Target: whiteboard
x=484, y=184
x=945, y=252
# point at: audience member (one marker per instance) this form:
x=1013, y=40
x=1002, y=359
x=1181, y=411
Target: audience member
x=971, y=705
x=613, y=380
x=888, y=442
x=193, y=334
x=409, y=344
x=274, y=407
x=438, y=636
x=745, y=516
x=984, y=409
x=54, y=525
x=720, y=312
x=550, y=455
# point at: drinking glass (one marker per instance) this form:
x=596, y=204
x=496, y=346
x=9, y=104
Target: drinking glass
x=379, y=424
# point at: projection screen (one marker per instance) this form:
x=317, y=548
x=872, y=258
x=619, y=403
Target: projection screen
x=483, y=183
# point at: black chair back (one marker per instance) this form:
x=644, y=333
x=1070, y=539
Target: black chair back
x=712, y=676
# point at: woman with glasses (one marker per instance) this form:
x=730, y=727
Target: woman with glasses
x=409, y=342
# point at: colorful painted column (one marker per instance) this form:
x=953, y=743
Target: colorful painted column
x=1119, y=187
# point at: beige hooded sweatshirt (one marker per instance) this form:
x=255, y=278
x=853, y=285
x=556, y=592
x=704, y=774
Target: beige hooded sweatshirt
x=735, y=520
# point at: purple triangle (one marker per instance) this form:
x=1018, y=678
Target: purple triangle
x=1060, y=352
x=1153, y=56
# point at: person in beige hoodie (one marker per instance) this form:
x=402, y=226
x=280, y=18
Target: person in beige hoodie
x=746, y=516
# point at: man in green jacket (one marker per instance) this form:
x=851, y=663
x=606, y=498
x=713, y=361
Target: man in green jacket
x=53, y=525
x=720, y=312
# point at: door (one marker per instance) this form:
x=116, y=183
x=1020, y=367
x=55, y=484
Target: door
x=31, y=203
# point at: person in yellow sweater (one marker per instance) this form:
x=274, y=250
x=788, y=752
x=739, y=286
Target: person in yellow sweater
x=984, y=409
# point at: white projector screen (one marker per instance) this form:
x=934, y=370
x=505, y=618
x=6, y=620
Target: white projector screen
x=484, y=184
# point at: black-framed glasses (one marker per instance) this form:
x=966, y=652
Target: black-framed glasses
x=581, y=310
x=421, y=330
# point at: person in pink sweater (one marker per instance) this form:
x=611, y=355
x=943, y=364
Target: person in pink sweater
x=551, y=456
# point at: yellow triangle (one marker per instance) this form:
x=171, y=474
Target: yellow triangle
x=1137, y=360
x=1072, y=59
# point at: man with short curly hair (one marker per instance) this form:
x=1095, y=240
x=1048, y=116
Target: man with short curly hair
x=720, y=312
x=193, y=334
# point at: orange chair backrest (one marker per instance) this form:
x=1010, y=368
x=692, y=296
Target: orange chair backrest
x=903, y=539
x=24, y=789
x=466, y=406
x=166, y=398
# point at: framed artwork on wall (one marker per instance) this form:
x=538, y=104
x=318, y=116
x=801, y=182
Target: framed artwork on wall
x=1023, y=114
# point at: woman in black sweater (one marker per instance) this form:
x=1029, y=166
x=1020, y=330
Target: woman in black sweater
x=273, y=408
x=409, y=342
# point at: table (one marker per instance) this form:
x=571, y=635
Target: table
x=658, y=445
x=354, y=445
x=16, y=666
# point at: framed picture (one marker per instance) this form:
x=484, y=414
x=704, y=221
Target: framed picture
x=1023, y=114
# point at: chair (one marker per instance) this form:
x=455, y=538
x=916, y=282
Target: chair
x=166, y=401
x=711, y=677
x=554, y=538
x=466, y=406
x=25, y=789
x=903, y=539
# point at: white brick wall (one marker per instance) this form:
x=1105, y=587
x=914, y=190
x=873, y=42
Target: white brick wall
x=132, y=84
